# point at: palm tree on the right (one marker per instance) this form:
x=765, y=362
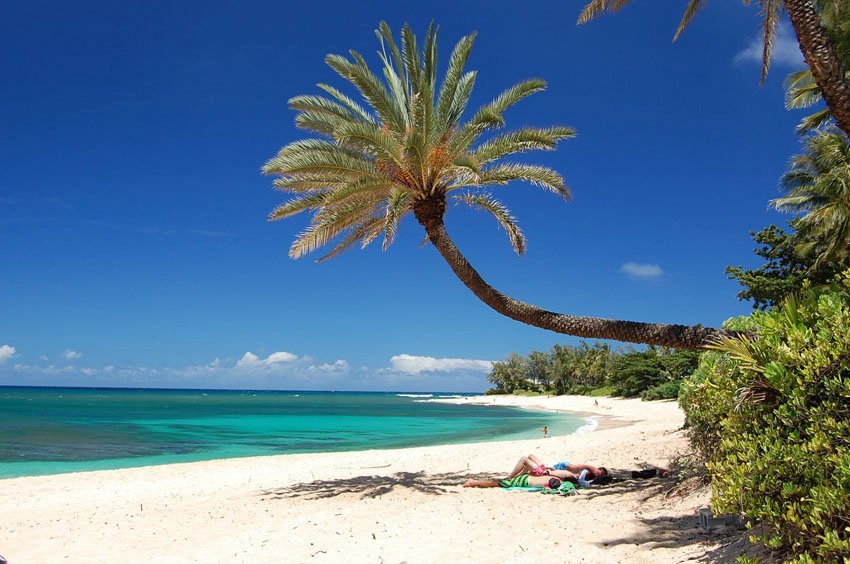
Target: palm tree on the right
x=818, y=185
x=818, y=48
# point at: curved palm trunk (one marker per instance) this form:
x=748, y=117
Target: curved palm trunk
x=430, y=214
x=821, y=59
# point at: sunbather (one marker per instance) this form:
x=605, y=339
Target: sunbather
x=519, y=481
x=562, y=470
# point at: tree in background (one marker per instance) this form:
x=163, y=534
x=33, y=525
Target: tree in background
x=508, y=376
x=654, y=373
x=539, y=369
x=580, y=369
x=408, y=151
x=782, y=274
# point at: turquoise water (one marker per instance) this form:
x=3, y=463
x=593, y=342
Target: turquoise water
x=55, y=430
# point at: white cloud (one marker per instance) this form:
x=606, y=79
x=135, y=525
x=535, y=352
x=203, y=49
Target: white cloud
x=250, y=360
x=786, y=51
x=6, y=352
x=274, y=358
x=411, y=364
x=338, y=367
x=71, y=354
x=641, y=271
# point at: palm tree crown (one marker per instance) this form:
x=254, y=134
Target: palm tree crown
x=818, y=185
x=375, y=164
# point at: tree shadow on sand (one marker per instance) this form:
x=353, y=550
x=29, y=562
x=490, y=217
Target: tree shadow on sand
x=372, y=486
x=721, y=545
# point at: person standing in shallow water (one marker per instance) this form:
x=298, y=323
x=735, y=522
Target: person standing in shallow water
x=545, y=430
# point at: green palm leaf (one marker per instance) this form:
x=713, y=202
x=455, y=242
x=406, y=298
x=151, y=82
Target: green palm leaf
x=502, y=215
x=818, y=190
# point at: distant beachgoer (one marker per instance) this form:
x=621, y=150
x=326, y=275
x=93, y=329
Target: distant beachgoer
x=595, y=403
x=545, y=430
x=520, y=481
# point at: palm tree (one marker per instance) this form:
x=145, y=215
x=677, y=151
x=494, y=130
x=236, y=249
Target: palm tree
x=818, y=185
x=407, y=151
x=801, y=89
x=818, y=50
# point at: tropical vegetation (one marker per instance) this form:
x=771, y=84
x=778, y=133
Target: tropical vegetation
x=407, y=150
x=653, y=373
x=784, y=270
x=771, y=418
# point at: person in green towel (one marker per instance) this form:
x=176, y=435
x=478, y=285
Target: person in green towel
x=520, y=481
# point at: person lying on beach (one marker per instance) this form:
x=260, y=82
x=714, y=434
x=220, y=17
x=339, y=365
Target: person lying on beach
x=519, y=481
x=583, y=474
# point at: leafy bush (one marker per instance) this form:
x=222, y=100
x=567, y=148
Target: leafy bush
x=665, y=390
x=708, y=395
x=777, y=409
x=600, y=392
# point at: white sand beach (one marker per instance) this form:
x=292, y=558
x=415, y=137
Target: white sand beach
x=401, y=505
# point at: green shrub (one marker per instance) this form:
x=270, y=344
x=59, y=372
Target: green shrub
x=772, y=415
x=665, y=390
x=708, y=395
x=600, y=392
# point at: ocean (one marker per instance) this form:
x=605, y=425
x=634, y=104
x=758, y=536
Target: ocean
x=56, y=430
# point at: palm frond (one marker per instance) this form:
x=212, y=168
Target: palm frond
x=513, y=95
x=801, y=90
x=323, y=123
x=326, y=225
x=770, y=11
x=320, y=158
x=454, y=73
x=386, y=34
x=355, y=108
x=596, y=8
x=398, y=205
x=321, y=105
x=817, y=120
x=537, y=175
x=527, y=139
x=305, y=184
x=460, y=100
x=410, y=54
x=429, y=61
x=364, y=232
x=502, y=214
x=373, y=140
x=297, y=205
x=691, y=10
x=370, y=87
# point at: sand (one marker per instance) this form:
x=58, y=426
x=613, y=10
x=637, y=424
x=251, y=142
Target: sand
x=403, y=505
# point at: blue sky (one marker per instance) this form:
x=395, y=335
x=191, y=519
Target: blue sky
x=135, y=247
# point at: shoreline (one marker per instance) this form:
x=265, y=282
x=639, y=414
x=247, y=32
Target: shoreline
x=366, y=505
x=103, y=465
